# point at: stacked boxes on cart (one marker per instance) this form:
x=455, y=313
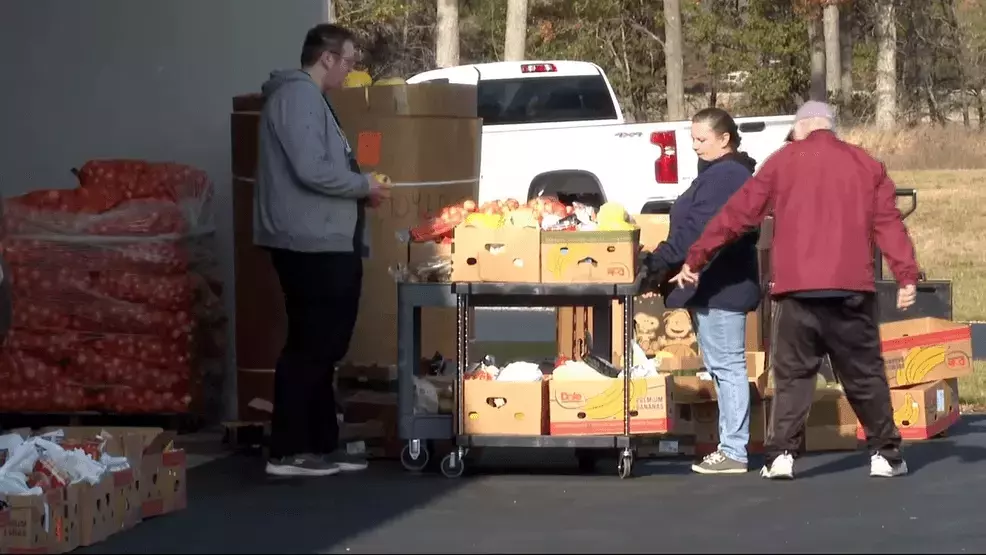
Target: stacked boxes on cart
x=69, y=487
x=115, y=299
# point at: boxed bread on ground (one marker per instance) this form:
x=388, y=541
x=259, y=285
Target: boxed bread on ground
x=925, y=350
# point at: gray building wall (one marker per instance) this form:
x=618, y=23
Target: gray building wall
x=148, y=79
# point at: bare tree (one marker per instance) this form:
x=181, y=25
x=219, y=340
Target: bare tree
x=330, y=11
x=886, y=64
x=816, y=42
x=515, y=40
x=673, y=60
x=447, y=36
x=833, y=50
x=846, y=45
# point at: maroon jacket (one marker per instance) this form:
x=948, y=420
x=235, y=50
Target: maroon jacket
x=830, y=202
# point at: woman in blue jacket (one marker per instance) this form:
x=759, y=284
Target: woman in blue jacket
x=728, y=287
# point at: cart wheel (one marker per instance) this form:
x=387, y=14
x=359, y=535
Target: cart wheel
x=453, y=466
x=411, y=464
x=625, y=466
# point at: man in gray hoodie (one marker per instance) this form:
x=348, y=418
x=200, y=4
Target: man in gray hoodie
x=309, y=212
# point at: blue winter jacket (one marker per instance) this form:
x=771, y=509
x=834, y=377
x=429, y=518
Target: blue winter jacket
x=730, y=281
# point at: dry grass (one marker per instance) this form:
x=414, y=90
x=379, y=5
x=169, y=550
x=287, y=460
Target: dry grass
x=924, y=147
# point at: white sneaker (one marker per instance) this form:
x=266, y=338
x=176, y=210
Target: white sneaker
x=781, y=469
x=880, y=467
x=301, y=465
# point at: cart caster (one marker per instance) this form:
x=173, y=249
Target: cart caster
x=411, y=462
x=625, y=465
x=453, y=466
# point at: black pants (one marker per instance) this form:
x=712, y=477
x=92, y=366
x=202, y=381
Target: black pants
x=321, y=298
x=845, y=328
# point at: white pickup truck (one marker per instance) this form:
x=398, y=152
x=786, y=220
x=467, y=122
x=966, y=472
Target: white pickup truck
x=556, y=128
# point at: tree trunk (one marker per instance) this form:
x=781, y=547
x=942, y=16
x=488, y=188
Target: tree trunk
x=886, y=65
x=833, y=51
x=672, y=56
x=447, y=36
x=330, y=11
x=816, y=42
x=516, y=34
x=846, y=45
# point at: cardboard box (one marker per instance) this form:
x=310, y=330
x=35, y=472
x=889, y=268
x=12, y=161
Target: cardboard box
x=393, y=145
x=595, y=407
x=706, y=427
x=123, y=511
x=925, y=350
x=163, y=485
x=46, y=523
x=924, y=411
x=505, y=408
x=508, y=254
x=425, y=99
x=589, y=256
x=831, y=423
x=700, y=387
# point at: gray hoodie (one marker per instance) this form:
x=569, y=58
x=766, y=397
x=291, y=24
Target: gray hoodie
x=308, y=197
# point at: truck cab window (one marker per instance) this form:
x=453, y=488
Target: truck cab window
x=545, y=100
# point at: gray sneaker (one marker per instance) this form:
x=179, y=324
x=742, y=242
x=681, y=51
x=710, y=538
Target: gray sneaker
x=719, y=463
x=346, y=462
x=301, y=465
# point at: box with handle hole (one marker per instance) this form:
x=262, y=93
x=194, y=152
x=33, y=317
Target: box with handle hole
x=505, y=407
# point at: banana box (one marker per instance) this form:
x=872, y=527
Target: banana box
x=831, y=423
x=925, y=350
x=596, y=407
x=589, y=256
x=924, y=411
x=508, y=254
x=504, y=408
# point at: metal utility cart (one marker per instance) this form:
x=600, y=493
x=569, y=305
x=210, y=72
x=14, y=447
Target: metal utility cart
x=597, y=295
x=417, y=429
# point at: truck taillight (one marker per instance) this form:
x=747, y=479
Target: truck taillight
x=666, y=165
x=538, y=68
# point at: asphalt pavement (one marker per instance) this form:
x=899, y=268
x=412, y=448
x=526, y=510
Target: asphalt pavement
x=833, y=506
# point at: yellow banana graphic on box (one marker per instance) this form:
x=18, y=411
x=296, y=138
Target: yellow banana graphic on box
x=609, y=403
x=560, y=257
x=918, y=363
x=906, y=414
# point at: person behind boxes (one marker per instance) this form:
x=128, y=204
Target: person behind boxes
x=729, y=288
x=830, y=202
x=309, y=212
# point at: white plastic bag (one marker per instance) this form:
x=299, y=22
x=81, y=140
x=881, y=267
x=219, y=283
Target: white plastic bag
x=520, y=372
x=425, y=397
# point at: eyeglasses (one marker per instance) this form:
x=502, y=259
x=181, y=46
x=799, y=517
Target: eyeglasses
x=348, y=62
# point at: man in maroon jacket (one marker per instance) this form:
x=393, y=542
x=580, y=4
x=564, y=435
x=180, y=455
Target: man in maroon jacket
x=830, y=202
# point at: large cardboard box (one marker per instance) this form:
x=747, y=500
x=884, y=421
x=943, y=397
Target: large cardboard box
x=924, y=411
x=394, y=146
x=505, y=408
x=424, y=99
x=507, y=254
x=831, y=423
x=589, y=256
x=595, y=407
x=925, y=350
x=46, y=523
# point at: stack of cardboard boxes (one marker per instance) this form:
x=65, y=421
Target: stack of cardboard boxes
x=82, y=514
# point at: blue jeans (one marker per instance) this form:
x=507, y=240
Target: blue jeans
x=722, y=340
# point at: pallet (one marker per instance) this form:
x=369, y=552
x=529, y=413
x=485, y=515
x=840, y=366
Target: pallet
x=180, y=423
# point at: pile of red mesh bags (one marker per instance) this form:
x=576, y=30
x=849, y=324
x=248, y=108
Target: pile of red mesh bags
x=116, y=298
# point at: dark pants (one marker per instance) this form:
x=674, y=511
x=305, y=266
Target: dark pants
x=321, y=299
x=845, y=328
